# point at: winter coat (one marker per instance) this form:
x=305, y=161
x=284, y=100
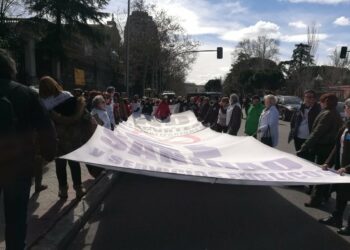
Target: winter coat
x=298, y=117
x=268, y=123
x=234, y=121
x=147, y=109
x=74, y=125
x=212, y=114
x=32, y=131
x=222, y=116
x=102, y=117
x=162, y=111
x=203, y=111
x=335, y=157
x=341, y=161
x=324, y=131
x=254, y=112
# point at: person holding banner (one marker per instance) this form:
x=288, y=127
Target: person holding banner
x=212, y=114
x=136, y=105
x=23, y=119
x=221, y=121
x=340, y=159
x=72, y=122
x=253, y=115
x=109, y=98
x=302, y=121
x=163, y=110
x=147, y=108
x=100, y=113
x=233, y=116
x=268, y=122
x=321, y=142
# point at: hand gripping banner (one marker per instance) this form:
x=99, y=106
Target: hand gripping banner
x=181, y=148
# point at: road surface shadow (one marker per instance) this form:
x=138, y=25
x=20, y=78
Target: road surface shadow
x=151, y=213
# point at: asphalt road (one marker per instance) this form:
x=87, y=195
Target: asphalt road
x=150, y=213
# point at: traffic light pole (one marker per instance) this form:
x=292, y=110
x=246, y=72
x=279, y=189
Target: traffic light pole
x=219, y=52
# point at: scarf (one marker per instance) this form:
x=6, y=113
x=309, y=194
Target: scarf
x=53, y=101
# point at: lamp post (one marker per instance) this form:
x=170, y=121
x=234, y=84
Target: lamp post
x=127, y=51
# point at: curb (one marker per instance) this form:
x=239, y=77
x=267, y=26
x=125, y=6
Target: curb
x=69, y=224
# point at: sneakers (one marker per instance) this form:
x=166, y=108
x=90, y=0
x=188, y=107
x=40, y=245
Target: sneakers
x=334, y=221
x=344, y=230
x=80, y=191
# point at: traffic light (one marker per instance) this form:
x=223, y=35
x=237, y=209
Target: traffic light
x=343, y=52
x=219, y=53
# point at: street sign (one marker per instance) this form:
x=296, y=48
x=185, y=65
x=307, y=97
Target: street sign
x=79, y=77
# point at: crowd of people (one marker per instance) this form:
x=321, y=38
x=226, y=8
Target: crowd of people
x=37, y=128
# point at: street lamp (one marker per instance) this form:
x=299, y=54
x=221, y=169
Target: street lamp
x=127, y=51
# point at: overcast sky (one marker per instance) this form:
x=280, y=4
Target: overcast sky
x=223, y=23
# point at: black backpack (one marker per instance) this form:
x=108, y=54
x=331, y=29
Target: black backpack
x=8, y=117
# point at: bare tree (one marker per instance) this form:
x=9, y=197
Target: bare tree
x=10, y=8
x=336, y=61
x=243, y=50
x=266, y=48
x=313, y=39
x=262, y=47
x=176, y=57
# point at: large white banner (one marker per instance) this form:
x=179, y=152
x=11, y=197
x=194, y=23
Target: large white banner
x=182, y=148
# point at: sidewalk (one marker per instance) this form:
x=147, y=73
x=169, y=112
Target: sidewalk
x=45, y=208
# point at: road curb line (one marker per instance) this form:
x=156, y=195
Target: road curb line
x=69, y=224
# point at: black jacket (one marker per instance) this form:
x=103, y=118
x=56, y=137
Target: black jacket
x=235, y=121
x=34, y=130
x=147, y=109
x=212, y=114
x=335, y=157
x=343, y=190
x=297, y=119
x=203, y=111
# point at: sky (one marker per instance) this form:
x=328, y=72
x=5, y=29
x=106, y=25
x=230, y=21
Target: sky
x=223, y=23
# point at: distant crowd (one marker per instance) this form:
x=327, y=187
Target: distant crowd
x=37, y=128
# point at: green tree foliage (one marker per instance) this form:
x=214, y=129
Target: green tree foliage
x=301, y=59
x=296, y=70
x=253, y=75
x=68, y=16
x=213, y=85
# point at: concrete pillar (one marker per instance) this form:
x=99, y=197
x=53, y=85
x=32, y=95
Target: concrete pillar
x=30, y=62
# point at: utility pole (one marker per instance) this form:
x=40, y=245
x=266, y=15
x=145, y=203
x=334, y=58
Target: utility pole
x=127, y=69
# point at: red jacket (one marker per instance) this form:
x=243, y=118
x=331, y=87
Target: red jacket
x=162, y=111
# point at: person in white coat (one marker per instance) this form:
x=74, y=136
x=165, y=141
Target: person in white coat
x=268, y=122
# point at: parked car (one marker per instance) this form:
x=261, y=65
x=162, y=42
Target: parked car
x=287, y=105
x=211, y=95
x=341, y=110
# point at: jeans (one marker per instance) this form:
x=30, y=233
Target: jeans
x=16, y=197
x=61, y=172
